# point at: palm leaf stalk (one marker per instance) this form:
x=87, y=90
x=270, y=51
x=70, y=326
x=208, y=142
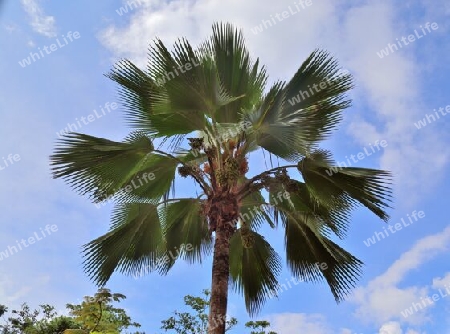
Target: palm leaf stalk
x=202, y=113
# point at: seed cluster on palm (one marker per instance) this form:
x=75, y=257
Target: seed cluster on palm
x=205, y=124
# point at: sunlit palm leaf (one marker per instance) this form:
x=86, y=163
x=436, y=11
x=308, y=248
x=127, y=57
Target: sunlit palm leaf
x=237, y=73
x=98, y=166
x=144, y=99
x=132, y=246
x=136, y=92
x=288, y=126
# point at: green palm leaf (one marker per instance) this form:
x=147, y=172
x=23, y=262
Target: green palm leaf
x=185, y=226
x=132, y=246
x=288, y=126
x=99, y=166
x=254, y=211
x=369, y=187
x=332, y=216
x=155, y=178
x=253, y=270
x=307, y=249
x=236, y=71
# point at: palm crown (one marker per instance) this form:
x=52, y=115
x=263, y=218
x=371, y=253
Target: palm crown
x=204, y=121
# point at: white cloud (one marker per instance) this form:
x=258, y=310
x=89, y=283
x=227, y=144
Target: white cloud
x=346, y=331
x=382, y=300
x=391, y=328
x=441, y=283
x=41, y=23
x=411, y=331
x=392, y=87
x=289, y=323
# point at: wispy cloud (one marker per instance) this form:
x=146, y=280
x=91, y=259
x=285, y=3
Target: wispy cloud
x=41, y=23
x=373, y=303
x=299, y=323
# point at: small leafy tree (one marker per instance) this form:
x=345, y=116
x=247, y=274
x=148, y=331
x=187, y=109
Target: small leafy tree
x=97, y=315
x=197, y=323
x=259, y=326
x=188, y=323
x=43, y=320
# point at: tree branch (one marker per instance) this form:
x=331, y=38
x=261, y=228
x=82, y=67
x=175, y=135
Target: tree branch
x=246, y=186
x=197, y=178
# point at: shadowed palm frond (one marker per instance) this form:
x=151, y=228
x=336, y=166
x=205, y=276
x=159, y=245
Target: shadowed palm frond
x=253, y=269
x=327, y=183
x=332, y=216
x=307, y=250
x=185, y=225
x=254, y=211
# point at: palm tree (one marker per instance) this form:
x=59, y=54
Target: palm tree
x=202, y=113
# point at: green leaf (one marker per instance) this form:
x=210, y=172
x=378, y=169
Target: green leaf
x=186, y=232
x=307, y=250
x=253, y=270
x=238, y=75
x=369, y=187
x=253, y=211
x=288, y=126
x=98, y=166
x=155, y=178
x=132, y=246
x=331, y=216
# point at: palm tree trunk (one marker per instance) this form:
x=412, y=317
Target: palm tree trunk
x=220, y=277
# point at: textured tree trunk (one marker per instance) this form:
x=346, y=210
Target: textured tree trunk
x=220, y=277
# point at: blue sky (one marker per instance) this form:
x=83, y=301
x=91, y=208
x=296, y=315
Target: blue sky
x=392, y=94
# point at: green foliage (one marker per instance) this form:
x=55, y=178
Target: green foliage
x=258, y=327
x=95, y=315
x=188, y=323
x=43, y=320
x=197, y=322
